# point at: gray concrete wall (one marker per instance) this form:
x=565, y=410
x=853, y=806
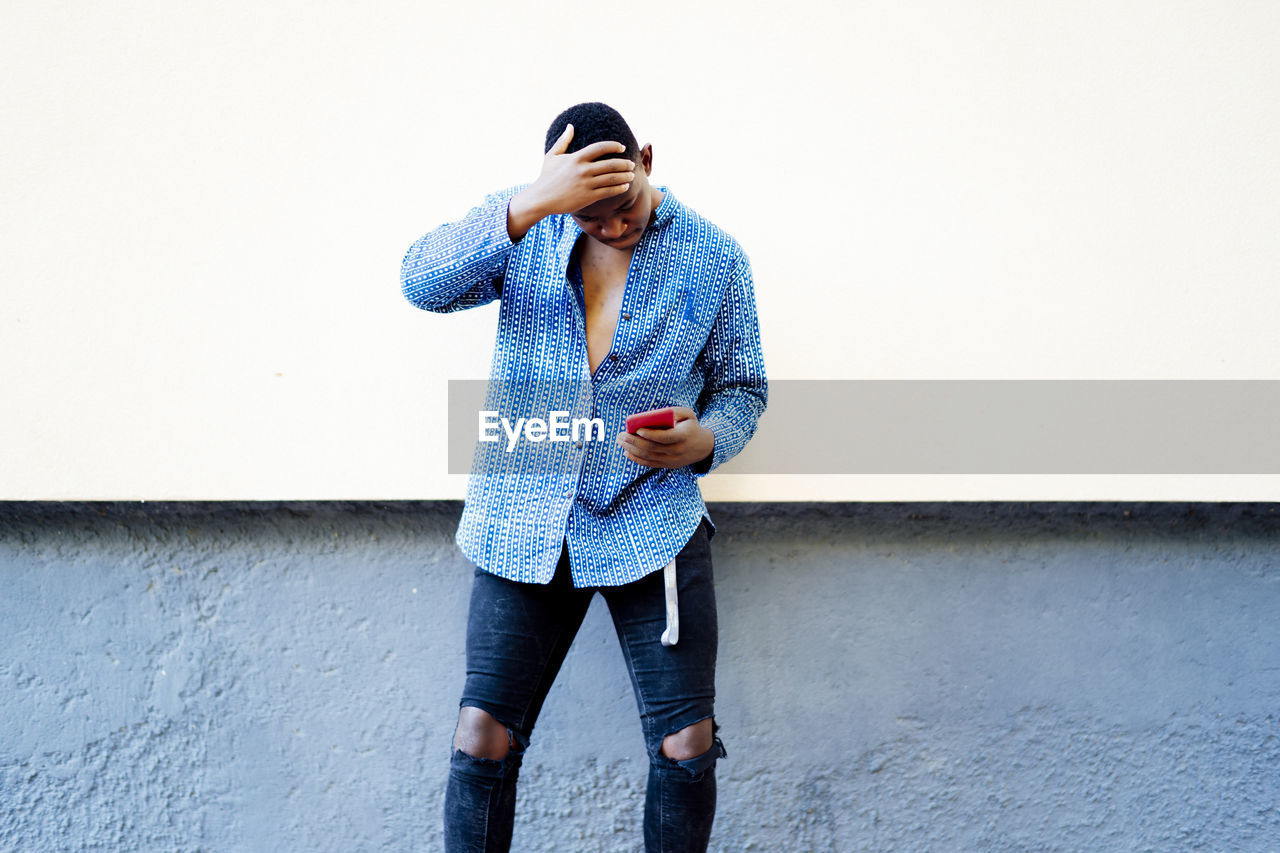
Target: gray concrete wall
x=945, y=677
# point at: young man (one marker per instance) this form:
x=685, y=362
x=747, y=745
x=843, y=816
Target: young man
x=615, y=299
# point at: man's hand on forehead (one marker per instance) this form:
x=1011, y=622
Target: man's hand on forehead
x=570, y=182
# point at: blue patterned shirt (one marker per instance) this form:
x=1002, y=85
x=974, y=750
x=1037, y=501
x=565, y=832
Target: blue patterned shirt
x=686, y=336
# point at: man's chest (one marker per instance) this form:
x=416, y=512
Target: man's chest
x=603, y=279
x=643, y=317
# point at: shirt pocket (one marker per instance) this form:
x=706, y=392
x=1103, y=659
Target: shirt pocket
x=694, y=316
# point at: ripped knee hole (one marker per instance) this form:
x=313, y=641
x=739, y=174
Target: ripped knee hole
x=690, y=742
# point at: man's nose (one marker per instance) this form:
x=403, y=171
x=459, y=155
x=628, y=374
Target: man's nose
x=613, y=229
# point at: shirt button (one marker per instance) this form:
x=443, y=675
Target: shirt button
x=626, y=316
x=578, y=444
x=568, y=493
x=613, y=357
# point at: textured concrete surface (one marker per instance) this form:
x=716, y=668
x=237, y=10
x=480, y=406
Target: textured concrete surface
x=932, y=677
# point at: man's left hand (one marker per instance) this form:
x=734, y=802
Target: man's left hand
x=685, y=443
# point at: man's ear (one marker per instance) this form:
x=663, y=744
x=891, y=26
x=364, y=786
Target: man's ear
x=646, y=158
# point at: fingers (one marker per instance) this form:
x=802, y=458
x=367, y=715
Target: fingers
x=602, y=167
x=599, y=149
x=610, y=180
x=649, y=458
x=654, y=442
x=610, y=177
x=659, y=436
x=648, y=463
x=562, y=144
x=589, y=152
x=649, y=451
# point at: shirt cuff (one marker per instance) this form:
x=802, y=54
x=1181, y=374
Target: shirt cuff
x=719, y=429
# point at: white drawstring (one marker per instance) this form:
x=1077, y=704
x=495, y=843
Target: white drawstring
x=672, y=634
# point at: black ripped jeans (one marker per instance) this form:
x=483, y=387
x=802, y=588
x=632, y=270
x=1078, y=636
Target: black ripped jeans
x=517, y=637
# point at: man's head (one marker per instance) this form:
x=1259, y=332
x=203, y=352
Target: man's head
x=620, y=221
x=593, y=122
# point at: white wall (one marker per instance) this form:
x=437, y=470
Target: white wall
x=206, y=204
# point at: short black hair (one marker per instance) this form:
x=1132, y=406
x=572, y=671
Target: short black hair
x=593, y=122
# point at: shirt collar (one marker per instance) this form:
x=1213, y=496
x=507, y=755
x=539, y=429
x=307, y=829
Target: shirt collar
x=666, y=210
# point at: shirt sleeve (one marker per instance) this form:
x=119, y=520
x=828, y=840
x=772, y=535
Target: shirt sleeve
x=736, y=390
x=461, y=264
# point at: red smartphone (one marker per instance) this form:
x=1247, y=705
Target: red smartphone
x=653, y=419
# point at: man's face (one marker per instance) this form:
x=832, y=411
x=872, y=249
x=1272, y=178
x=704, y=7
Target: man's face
x=619, y=221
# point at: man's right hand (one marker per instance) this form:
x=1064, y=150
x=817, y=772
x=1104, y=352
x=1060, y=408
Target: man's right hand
x=569, y=182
